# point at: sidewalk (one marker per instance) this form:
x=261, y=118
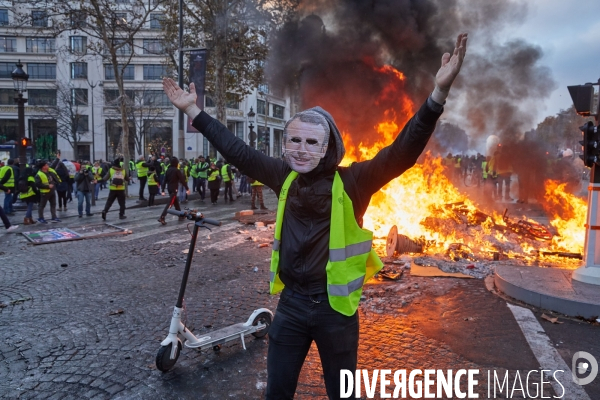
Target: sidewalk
x=549, y=288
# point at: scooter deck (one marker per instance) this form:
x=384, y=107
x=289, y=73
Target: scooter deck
x=220, y=335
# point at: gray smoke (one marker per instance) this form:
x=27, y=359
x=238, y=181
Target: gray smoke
x=331, y=54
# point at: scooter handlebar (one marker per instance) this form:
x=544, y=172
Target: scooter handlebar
x=176, y=212
x=194, y=216
x=212, y=222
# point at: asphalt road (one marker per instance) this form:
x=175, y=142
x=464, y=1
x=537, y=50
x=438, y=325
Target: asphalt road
x=92, y=329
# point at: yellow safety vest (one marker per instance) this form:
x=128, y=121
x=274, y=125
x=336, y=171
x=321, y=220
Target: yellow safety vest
x=30, y=192
x=152, y=179
x=485, y=173
x=352, y=261
x=10, y=183
x=141, y=170
x=44, y=179
x=224, y=173
x=111, y=186
x=203, y=174
x=213, y=174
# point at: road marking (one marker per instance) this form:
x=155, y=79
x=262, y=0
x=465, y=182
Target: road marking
x=546, y=354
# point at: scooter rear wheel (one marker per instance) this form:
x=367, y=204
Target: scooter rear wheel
x=163, y=357
x=263, y=318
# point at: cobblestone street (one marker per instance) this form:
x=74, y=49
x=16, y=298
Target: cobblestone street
x=92, y=328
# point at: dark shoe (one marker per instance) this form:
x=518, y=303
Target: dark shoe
x=104, y=215
x=253, y=208
x=263, y=207
x=26, y=221
x=55, y=220
x=182, y=218
x=162, y=221
x=80, y=216
x=122, y=216
x=59, y=209
x=89, y=215
x=42, y=221
x=32, y=222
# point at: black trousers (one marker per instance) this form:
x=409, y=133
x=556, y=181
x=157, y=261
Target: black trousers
x=142, y=180
x=214, y=187
x=173, y=202
x=44, y=199
x=296, y=324
x=228, y=190
x=119, y=195
x=201, y=186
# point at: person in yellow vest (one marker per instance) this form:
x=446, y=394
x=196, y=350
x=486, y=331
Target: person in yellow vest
x=142, y=172
x=202, y=168
x=321, y=255
x=503, y=168
x=29, y=194
x=7, y=180
x=116, y=178
x=153, y=185
x=46, y=181
x=257, y=192
x=228, y=180
x=214, y=183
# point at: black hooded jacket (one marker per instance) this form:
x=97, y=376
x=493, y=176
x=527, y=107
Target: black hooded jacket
x=304, y=250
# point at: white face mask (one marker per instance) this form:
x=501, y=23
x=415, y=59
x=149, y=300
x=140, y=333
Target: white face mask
x=304, y=145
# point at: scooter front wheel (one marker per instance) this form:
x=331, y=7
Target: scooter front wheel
x=163, y=357
x=263, y=318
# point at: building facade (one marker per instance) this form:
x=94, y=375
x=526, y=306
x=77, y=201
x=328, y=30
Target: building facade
x=65, y=78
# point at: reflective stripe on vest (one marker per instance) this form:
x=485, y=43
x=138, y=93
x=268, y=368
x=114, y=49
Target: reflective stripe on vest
x=352, y=261
x=224, y=173
x=44, y=179
x=115, y=187
x=10, y=183
x=30, y=192
x=141, y=170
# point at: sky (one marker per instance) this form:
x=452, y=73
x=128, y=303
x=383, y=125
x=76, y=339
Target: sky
x=568, y=31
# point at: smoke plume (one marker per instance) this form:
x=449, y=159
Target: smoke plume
x=335, y=55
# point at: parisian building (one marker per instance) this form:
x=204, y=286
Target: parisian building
x=60, y=67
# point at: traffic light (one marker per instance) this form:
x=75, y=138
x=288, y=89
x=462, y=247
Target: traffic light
x=591, y=147
x=25, y=142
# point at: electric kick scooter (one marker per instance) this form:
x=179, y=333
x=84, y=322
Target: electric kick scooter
x=257, y=324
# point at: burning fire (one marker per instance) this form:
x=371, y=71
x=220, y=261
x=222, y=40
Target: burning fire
x=420, y=197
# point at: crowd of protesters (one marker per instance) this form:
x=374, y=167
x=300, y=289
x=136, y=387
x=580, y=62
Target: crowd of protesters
x=54, y=184
x=494, y=173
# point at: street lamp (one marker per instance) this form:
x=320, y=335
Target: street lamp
x=266, y=133
x=20, y=79
x=251, y=134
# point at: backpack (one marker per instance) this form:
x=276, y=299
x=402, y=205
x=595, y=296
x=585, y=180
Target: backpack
x=23, y=185
x=118, y=178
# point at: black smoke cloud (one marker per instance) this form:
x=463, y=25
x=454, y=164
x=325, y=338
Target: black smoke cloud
x=331, y=54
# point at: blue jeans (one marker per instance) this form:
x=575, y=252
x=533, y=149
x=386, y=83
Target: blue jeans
x=29, y=211
x=8, y=197
x=297, y=323
x=88, y=202
x=97, y=190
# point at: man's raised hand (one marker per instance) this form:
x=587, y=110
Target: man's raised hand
x=185, y=101
x=450, y=68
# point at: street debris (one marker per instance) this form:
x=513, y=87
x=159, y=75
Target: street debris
x=263, y=245
x=64, y=265
x=19, y=301
x=433, y=270
x=389, y=273
x=458, y=251
x=554, y=320
x=116, y=312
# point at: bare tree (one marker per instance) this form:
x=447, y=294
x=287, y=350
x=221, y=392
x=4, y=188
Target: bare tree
x=146, y=108
x=235, y=33
x=72, y=124
x=110, y=27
